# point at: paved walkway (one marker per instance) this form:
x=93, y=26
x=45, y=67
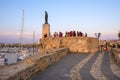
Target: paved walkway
x=85, y=70
x=81, y=67
x=106, y=70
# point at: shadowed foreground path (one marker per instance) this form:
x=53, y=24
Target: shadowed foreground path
x=80, y=63
x=61, y=69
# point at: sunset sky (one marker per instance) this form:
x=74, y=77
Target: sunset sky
x=87, y=16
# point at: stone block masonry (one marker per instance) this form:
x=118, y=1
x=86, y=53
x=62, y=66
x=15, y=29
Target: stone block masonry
x=74, y=44
x=116, y=55
x=46, y=30
x=23, y=70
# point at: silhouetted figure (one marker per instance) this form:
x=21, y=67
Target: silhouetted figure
x=79, y=34
x=45, y=35
x=60, y=34
x=113, y=46
x=74, y=33
x=46, y=17
x=85, y=34
x=101, y=48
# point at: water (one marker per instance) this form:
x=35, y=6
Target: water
x=12, y=55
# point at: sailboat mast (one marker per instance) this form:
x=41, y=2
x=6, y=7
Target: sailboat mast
x=21, y=42
x=33, y=40
x=33, y=36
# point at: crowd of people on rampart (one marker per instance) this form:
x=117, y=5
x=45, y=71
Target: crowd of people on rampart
x=67, y=34
x=74, y=33
x=56, y=34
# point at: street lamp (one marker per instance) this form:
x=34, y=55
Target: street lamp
x=97, y=35
x=119, y=35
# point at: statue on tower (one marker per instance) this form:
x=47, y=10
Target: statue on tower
x=46, y=17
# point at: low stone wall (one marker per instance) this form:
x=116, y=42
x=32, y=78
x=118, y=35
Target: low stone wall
x=74, y=44
x=116, y=55
x=23, y=70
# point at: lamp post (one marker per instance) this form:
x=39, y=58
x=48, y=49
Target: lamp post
x=97, y=35
x=119, y=35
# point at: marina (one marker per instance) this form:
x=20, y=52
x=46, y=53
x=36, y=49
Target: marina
x=10, y=55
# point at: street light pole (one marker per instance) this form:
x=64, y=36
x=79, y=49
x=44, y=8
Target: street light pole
x=119, y=35
x=97, y=35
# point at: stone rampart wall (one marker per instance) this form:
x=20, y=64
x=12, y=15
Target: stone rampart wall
x=116, y=55
x=23, y=70
x=74, y=44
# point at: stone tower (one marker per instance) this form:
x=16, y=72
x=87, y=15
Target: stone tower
x=45, y=30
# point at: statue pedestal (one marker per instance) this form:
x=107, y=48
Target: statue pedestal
x=45, y=30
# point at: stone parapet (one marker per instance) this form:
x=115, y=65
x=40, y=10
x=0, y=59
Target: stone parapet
x=74, y=44
x=116, y=55
x=23, y=70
